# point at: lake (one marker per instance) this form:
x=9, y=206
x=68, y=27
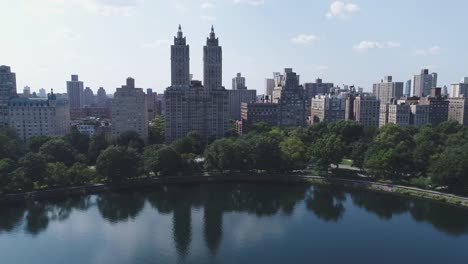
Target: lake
x=234, y=223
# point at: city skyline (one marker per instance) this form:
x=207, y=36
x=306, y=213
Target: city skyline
x=104, y=41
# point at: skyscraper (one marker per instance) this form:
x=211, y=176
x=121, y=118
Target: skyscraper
x=387, y=90
x=180, y=61
x=7, y=91
x=212, y=62
x=238, y=82
x=75, y=92
x=366, y=110
x=423, y=83
x=101, y=97
x=129, y=110
x=269, y=86
x=88, y=96
x=290, y=97
x=407, y=91
x=27, y=91
x=190, y=106
x=42, y=93
x=328, y=108
x=460, y=89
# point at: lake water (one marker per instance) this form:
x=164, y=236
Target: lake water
x=235, y=223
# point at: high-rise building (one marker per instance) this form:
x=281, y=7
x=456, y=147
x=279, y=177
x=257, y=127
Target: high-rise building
x=102, y=97
x=151, y=104
x=180, y=61
x=261, y=112
x=387, y=90
x=407, y=91
x=236, y=98
x=39, y=117
x=75, y=92
x=88, y=96
x=460, y=89
x=212, y=62
x=290, y=97
x=444, y=91
x=438, y=106
x=7, y=91
x=190, y=106
x=313, y=89
x=27, y=91
x=269, y=86
x=395, y=113
x=328, y=108
x=129, y=110
x=458, y=110
x=419, y=115
x=423, y=83
x=42, y=93
x=238, y=82
x=366, y=110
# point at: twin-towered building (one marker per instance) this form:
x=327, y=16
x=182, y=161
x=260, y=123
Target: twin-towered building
x=191, y=105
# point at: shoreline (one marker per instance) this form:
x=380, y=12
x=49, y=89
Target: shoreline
x=449, y=199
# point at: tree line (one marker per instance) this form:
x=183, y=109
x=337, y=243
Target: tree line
x=428, y=157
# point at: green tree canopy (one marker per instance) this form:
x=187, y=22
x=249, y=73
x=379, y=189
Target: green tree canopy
x=96, y=146
x=330, y=149
x=58, y=150
x=294, y=153
x=35, y=143
x=162, y=160
x=450, y=168
x=157, y=130
x=79, y=141
x=119, y=163
x=130, y=139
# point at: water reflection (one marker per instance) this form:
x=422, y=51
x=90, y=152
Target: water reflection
x=325, y=203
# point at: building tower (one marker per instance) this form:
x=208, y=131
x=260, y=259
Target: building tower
x=423, y=83
x=212, y=63
x=75, y=92
x=238, y=82
x=7, y=91
x=180, y=60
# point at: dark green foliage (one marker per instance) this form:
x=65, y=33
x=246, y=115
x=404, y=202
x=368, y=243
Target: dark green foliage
x=157, y=130
x=162, y=160
x=451, y=167
x=189, y=144
x=35, y=143
x=117, y=164
x=9, y=144
x=79, y=141
x=58, y=150
x=329, y=149
x=34, y=167
x=130, y=139
x=294, y=153
x=96, y=146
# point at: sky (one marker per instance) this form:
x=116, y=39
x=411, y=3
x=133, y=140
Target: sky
x=354, y=42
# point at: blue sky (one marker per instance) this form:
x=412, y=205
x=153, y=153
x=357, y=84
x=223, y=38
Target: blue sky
x=345, y=42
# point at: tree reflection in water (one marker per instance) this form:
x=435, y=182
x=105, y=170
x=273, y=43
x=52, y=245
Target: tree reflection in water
x=326, y=203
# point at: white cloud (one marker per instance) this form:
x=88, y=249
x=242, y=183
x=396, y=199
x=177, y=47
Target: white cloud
x=304, y=39
x=207, y=5
x=342, y=10
x=207, y=18
x=365, y=46
x=250, y=2
x=434, y=50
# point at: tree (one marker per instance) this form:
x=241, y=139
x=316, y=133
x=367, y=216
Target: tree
x=358, y=153
x=58, y=150
x=162, y=160
x=130, y=139
x=9, y=144
x=189, y=144
x=119, y=163
x=293, y=153
x=266, y=153
x=349, y=131
x=327, y=150
x=157, y=130
x=34, y=167
x=450, y=168
x=78, y=141
x=35, y=143
x=57, y=174
x=6, y=167
x=220, y=155
x=428, y=142
x=390, y=154
x=79, y=174
x=96, y=146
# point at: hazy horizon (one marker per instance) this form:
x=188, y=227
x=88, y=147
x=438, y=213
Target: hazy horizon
x=353, y=42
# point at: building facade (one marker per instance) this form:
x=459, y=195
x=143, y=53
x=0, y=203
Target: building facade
x=269, y=86
x=398, y=114
x=290, y=97
x=460, y=89
x=39, y=117
x=419, y=115
x=238, y=82
x=458, y=110
x=191, y=106
x=328, y=109
x=101, y=98
x=438, y=106
x=366, y=110
x=236, y=98
x=89, y=98
x=129, y=111
x=387, y=90
x=7, y=92
x=423, y=82
x=252, y=113
x=313, y=89
x=75, y=92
